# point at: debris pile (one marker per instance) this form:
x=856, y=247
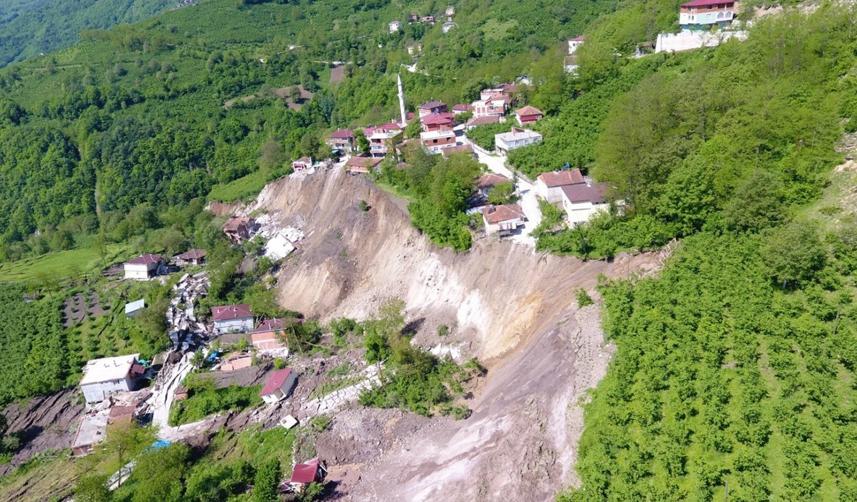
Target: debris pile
x=185, y=329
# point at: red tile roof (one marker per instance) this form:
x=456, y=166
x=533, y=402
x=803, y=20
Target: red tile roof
x=461, y=107
x=506, y=212
x=489, y=180
x=707, y=3
x=230, y=312
x=488, y=119
x=275, y=381
x=529, y=110
x=342, y=134
x=145, y=259
x=362, y=164
x=438, y=119
x=562, y=178
x=193, y=254
x=579, y=38
x=236, y=222
x=585, y=193
x=305, y=473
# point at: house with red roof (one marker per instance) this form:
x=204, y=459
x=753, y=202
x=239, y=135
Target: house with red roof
x=362, y=165
x=232, y=318
x=430, y=107
x=528, y=115
x=438, y=122
x=382, y=138
x=488, y=181
x=341, y=141
x=703, y=14
x=503, y=219
x=143, y=267
x=312, y=471
x=549, y=185
x=191, y=257
x=268, y=336
x=239, y=228
x=279, y=385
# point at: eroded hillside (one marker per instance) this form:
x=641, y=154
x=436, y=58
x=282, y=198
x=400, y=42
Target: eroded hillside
x=510, y=307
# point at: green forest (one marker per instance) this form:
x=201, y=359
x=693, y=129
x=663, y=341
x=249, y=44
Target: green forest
x=734, y=371
x=29, y=28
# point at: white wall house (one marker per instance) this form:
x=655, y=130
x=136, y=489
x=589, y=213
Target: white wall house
x=516, y=138
x=143, y=267
x=232, y=319
x=503, y=219
x=575, y=43
x=549, y=185
x=394, y=26
x=109, y=375
x=583, y=201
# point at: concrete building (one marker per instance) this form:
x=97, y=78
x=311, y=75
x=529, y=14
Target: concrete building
x=514, y=139
x=341, y=141
x=143, y=267
x=362, y=165
x=279, y=385
x=503, y=220
x=232, y=318
x=703, y=14
x=394, y=26
x=382, y=138
x=109, y=375
x=435, y=141
x=431, y=107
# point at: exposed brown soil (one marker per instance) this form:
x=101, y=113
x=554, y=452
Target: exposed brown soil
x=43, y=423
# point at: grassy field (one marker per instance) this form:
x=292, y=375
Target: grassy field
x=59, y=265
x=241, y=189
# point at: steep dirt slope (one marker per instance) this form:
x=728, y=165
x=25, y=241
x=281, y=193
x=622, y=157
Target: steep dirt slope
x=352, y=260
x=509, y=306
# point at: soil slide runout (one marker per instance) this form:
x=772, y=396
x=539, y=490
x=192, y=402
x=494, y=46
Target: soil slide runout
x=512, y=308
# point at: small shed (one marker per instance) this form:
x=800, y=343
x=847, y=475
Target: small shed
x=312, y=471
x=191, y=257
x=135, y=307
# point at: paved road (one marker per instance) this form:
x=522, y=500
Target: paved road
x=525, y=190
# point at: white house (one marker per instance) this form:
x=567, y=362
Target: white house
x=143, y=267
x=575, y=43
x=503, y=219
x=582, y=201
x=302, y=165
x=549, y=185
x=109, y=375
x=395, y=26
x=516, y=138
x=279, y=385
x=232, y=318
